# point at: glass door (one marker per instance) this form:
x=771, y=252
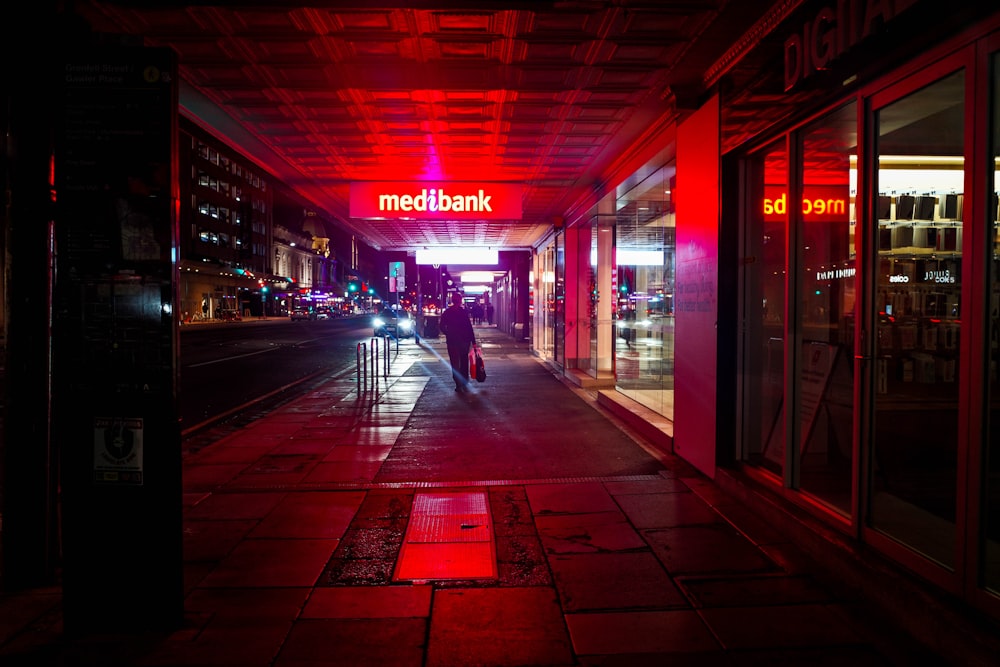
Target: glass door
x=600, y=294
x=762, y=357
x=919, y=181
x=800, y=311
x=825, y=317
x=545, y=298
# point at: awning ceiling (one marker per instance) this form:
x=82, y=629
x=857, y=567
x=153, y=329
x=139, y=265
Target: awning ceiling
x=557, y=96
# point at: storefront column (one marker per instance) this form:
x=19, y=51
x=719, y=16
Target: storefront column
x=606, y=295
x=697, y=288
x=576, y=324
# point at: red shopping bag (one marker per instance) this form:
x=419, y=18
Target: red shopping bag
x=478, y=367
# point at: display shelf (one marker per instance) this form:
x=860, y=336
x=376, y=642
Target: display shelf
x=918, y=286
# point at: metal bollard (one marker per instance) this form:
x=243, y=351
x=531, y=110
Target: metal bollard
x=362, y=360
x=374, y=363
x=385, y=356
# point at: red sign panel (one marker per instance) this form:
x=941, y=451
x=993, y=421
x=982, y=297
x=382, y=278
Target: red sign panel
x=436, y=200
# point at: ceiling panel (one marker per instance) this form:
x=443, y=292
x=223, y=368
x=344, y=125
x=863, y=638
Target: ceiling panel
x=546, y=94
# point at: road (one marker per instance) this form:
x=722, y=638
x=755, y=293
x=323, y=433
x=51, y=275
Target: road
x=229, y=368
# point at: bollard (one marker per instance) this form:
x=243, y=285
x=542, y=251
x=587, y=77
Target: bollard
x=374, y=352
x=386, y=357
x=362, y=358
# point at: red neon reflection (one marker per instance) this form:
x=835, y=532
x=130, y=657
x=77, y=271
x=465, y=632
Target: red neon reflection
x=819, y=202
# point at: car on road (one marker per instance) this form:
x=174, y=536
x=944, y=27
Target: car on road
x=301, y=314
x=394, y=323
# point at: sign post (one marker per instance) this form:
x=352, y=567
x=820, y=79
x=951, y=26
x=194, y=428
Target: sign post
x=397, y=279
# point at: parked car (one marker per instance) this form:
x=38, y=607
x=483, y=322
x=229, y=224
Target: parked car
x=395, y=323
x=301, y=314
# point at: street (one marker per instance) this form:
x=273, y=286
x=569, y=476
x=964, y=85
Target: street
x=229, y=367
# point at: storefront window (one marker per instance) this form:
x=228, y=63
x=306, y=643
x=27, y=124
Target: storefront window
x=645, y=244
x=584, y=321
x=560, y=300
x=826, y=299
x=545, y=293
x=593, y=295
x=600, y=294
x=763, y=353
x=919, y=189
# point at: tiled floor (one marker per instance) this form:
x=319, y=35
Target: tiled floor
x=297, y=531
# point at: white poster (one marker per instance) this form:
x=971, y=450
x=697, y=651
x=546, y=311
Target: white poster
x=817, y=366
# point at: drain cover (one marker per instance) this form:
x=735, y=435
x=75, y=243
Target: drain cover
x=449, y=536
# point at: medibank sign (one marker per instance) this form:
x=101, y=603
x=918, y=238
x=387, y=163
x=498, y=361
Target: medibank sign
x=436, y=201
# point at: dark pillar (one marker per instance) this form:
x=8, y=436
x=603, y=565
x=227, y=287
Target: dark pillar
x=115, y=340
x=30, y=536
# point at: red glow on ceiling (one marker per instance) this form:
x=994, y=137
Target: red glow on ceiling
x=559, y=97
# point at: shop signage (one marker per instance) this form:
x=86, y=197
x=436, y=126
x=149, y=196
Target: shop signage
x=835, y=274
x=823, y=202
x=939, y=276
x=834, y=30
x=436, y=201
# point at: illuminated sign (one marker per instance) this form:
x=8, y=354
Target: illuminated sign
x=460, y=255
x=632, y=257
x=477, y=277
x=829, y=203
x=436, y=201
x=832, y=31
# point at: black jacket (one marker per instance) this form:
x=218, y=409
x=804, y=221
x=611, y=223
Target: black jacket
x=457, y=327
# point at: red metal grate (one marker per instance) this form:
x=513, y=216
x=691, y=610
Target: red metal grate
x=449, y=536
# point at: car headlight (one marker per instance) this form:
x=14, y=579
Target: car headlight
x=406, y=325
x=378, y=322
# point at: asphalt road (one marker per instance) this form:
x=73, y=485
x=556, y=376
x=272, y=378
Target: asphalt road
x=230, y=368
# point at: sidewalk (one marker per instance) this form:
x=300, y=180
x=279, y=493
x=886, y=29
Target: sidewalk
x=516, y=524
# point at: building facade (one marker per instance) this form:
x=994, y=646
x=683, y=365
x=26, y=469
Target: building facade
x=250, y=246
x=812, y=308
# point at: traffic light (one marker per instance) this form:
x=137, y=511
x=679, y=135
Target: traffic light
x=352, y=286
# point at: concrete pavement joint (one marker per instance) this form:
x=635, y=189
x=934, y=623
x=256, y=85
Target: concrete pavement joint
x=339, y=486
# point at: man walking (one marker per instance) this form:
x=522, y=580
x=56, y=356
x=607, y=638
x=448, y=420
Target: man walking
x=458, y=332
